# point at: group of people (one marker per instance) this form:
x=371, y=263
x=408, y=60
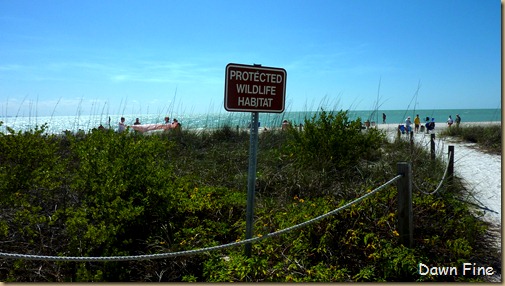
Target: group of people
x=137, y=126
x=429, y=125
x=450, y=121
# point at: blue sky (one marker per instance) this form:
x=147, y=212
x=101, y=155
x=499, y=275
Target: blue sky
x=89, y=57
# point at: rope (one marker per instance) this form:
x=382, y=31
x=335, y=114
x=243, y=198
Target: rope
x=439, y=184
x=478, y=206
x=195, y=251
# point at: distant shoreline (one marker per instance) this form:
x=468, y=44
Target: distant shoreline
x=59, y=123
x=422, y=112
x=440, y=126
x=393, y=128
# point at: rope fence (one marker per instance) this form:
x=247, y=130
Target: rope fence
x=450, y=161
x=405, y=224
x=441, y=180
x=196, y=251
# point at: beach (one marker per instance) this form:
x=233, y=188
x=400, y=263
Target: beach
x=58, y=124
x=479, y=171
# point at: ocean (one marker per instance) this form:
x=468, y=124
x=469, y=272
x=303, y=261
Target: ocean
x=58, y=124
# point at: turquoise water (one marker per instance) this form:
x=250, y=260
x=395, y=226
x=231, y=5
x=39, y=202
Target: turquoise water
x=58, y=124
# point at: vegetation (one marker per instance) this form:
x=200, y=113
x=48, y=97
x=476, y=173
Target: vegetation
x=110, y=194
x=487, y=137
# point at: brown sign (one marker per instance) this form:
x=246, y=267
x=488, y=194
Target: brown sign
x=254, y=88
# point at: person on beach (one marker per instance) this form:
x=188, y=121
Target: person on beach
x=401, y=129
x=458, y=120
x=408, y=122
x=175, y=124
x=450, y=121
x=430, y=125
x=383, y=118
x=167, y=125
x=417, y=122
x=285, y=125
x=122, y=126
x=136, y=123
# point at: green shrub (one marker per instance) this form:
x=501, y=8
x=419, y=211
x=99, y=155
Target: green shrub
x=334, y=142
x=109, y=194
x=489, y=137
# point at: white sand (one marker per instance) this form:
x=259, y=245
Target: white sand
x=481, y=172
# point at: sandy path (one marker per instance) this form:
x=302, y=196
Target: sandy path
x=480, y=171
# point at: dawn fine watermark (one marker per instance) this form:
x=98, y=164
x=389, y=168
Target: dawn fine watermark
x=465, y=269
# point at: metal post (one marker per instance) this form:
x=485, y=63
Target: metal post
x=405, y=215
x=251, y=180
x=433, y=147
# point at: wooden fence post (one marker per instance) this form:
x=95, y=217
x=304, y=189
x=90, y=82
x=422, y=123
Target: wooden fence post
x=405, y=215
x=450, y=167
x=432, y=147
x=411, y=142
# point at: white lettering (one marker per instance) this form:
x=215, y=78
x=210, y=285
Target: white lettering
x=489, y=270
x=447, y=270
x=477, y=270
x=423, y=269
x=255, y=76
x=241, y=101
x=254, y=102
x=465, y=267
x=241, y=88
x=256, y=89
x=444, y=270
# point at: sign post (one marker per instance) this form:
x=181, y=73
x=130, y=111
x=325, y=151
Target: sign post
x=254, y=89
x=251, y=181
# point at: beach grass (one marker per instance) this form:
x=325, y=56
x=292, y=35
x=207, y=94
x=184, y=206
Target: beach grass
x=488, y=137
